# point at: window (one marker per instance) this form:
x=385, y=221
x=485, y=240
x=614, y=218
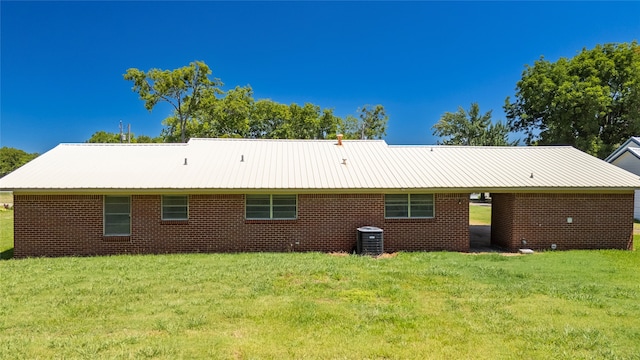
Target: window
x=175, y=207
x=271, y=206
x=117, y=215
x=408, y=206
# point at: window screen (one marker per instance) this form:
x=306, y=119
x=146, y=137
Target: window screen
x=271, y=206
x=408, y=205
x=117, y=215
x=175, y=207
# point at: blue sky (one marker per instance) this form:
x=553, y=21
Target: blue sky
x=62, y=62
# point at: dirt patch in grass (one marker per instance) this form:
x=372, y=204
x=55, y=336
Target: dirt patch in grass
x=382, y=256
x=502, y=253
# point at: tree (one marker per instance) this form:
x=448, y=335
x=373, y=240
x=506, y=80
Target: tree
x=105, y=137
x=303, y=121
x=268, y=120
x=12, y=158
x=230, y=115
x=144, y=139
x=199, y=112
x=350, y=127
x=591, y=101
x=462, y=128
x=227, y=116
x=371, y=123
x=327, y=125
x=182, y=88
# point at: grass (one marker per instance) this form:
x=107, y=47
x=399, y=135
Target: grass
x=575, y=304
x=572, y=304
x=479, y=215
x=6, y=197
x=6, y=233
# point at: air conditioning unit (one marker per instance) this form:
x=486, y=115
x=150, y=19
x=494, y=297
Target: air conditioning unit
x=370, y=241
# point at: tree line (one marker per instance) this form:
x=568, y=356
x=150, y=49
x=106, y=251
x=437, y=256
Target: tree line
x=590, y=101
x=12, y=158
x=202, y=109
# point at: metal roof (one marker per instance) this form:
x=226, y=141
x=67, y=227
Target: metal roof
x=246, y=165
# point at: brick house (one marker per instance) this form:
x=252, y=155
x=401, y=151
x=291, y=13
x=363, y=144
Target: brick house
x=236, y=195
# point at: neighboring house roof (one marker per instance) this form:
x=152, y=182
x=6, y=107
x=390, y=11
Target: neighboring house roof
x=244, y=165
x=633, y=151
x=628, y=160
x=632, y=143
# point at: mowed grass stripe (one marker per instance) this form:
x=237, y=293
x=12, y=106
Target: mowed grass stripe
x=574, y=304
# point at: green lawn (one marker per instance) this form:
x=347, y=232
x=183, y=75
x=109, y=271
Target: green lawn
x=574, y=304
x=6, y=233
x=571, y=304
x=6, y=197
x=479, y=215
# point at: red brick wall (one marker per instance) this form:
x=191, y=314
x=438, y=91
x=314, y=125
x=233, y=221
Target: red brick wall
x=57, y=225
x=502, y=209
x=72, y=225
x=599, y=221
x=448, y=230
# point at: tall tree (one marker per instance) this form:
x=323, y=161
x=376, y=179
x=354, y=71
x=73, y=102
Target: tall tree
x=350, y=127
x=198, y=111
x=328, y=125
x=182, y=88
x=12, y=158
x=471, y=128
x=591, y=101
x=268, y=120
x=227, y=116
x=373, y=122
x=231, y=113
x=303, y=123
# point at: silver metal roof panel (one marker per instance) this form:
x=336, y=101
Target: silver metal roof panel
x=313, y=165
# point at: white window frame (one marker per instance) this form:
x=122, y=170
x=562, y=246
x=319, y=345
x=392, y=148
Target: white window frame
x=408, y=204
x=246, y=197
x=105, y=215
x=163, y=206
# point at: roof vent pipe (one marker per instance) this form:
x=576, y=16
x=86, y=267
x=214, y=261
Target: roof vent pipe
x=241, y=158
x=339, y=139
x=185, y=161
